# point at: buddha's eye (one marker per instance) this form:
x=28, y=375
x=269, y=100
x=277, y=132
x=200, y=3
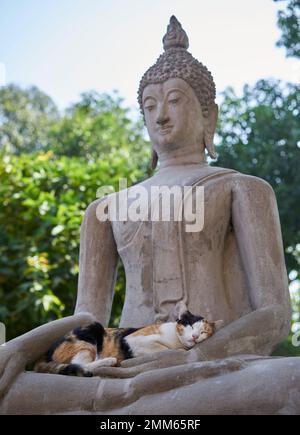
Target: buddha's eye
x=150, y=107
x=174, y=101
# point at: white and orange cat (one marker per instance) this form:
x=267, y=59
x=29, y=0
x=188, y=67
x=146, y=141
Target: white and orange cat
x=82, y=351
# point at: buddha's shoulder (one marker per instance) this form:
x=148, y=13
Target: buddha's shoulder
x=231, y=175
x=252, y=182
x=244, y=184
x=92, y=206
x=98, y=208
x=239, y=182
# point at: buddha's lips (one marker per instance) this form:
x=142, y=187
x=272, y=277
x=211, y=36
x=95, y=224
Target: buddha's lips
x=165, y=130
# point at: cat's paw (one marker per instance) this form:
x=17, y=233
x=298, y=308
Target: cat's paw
x=108, y=362
x=105, y=362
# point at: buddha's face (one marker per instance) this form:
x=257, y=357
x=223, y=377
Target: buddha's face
x=173, y=115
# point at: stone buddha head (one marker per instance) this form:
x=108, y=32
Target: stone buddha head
x=177, y=98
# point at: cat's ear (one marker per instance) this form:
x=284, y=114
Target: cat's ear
x=218, y=324
x=180, y=309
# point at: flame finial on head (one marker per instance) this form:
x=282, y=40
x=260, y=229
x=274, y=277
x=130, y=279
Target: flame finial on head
x=175, y=36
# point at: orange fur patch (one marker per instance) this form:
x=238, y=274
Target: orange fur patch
x=111, y=345
x=179, y=329
x=67, y=350
x=147, y=330
x=208, y=328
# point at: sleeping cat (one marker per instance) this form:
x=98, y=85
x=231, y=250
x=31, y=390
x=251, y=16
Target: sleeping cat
x=82, y=351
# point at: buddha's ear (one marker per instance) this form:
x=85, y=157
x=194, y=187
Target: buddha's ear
x=210, y=123
x=154, y=159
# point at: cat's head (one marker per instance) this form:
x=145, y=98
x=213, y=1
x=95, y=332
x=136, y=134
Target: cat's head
x=192, y=329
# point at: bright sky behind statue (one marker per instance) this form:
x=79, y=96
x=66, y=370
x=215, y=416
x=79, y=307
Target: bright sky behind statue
x=66, y=47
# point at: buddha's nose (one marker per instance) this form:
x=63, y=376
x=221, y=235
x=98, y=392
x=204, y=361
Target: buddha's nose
x=195, y=336
x=162, y=120
x=162, y=116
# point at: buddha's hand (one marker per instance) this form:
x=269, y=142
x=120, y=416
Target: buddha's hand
x=166, y=358
x=29, y=347
x=12, y=363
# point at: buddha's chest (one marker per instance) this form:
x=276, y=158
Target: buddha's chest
x=201, y=215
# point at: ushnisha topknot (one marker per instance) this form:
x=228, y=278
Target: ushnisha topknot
x=176, y=61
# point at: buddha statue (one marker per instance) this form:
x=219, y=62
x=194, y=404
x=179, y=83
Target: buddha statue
x=233, y=270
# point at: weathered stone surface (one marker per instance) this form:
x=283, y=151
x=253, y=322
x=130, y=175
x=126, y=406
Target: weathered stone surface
x=243, y=385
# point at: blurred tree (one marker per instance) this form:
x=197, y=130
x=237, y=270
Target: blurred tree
x=44, y=195
x=43, y=201
x=259, y=134
x=96, y=127
x=289, y=24
x=26, y=116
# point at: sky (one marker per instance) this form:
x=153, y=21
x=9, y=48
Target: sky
x=66, y=47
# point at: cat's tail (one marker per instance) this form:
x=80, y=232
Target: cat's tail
x=61, y=369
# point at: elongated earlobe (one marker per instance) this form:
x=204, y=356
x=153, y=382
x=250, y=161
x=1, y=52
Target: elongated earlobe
x=154, y=159
x=210, y=127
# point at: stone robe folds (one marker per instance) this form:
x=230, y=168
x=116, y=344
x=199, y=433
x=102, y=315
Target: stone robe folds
x=163, y=262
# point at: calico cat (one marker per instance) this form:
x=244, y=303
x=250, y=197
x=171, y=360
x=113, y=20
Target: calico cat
x=82, y=351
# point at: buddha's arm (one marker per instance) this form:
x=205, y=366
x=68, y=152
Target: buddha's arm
x=257, y=228
x=97, y=266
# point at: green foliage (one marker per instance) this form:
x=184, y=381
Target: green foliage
x=43, y=202
x=259, y=134
x=26, y=117
x=96, y=126
x=289, y=24
x=44, y=195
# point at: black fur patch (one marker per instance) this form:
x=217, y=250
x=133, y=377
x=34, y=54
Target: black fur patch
x=125, y=348
x=189, y=319
x=71, y=370
x=92, y=333
x=128, y=331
